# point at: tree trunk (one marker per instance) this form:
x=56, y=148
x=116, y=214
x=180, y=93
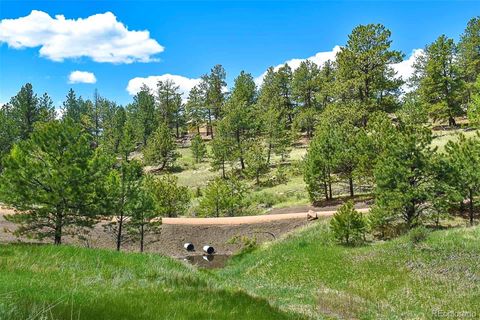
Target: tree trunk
x=325, y=189
x=350, y=182
x=330, y=193
x=223, y=169
x=177, y=128
x=58, y=229
x=119, y=233
x=142, y=236
x=269, y=153
x=451, y=121
x=470, y=209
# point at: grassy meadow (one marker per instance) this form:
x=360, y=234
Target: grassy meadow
x=304, y=275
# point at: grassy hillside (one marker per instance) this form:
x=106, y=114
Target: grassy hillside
x=47, y=282
x=309, y=273
x=304, y=275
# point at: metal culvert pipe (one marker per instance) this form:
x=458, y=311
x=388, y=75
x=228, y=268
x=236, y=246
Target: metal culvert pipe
x=189, y=246
x=208, y=249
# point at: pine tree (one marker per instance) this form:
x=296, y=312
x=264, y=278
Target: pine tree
x=160, y=149
x=52, y=180
x=122, y=188
x=463, y=160
x=222, y=198
x=144, y=109
x=440, y=84
x=169, y=198
x=364, y=69
x=198, y=148
x=403, y=173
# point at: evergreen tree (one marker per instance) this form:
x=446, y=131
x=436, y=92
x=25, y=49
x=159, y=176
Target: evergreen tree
x=256, y=161
x=160, y=149
x=463, y=160
x=169, y=105
x=26, y=110
x=348, y=225
x=473, y=110
x=195, y=108
x=239, y=121
x=223, y=198
x=364, y=69
x=198, y=148
x=52, y=179
x=8, y=132
x=144, y=109
x=170, y=199
x=469, y=52
x=122, y=187
x=305, y=85
x=439, y=80
x=403, y=173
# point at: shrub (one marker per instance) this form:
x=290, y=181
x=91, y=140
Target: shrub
x=348, y=225
x=418, y=234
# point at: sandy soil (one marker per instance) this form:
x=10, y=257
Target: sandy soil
x=216, y=232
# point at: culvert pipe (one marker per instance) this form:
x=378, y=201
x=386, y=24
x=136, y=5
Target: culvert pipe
x=208, y=249
x=189, y=246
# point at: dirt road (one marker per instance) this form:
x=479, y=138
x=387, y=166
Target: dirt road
x=248, y=219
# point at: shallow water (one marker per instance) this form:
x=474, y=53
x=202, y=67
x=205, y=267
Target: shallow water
x=212, y=261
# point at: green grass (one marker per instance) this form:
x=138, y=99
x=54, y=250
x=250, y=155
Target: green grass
x=305, y=274
x=309, y=273
x=48, y=282
x=441, y=137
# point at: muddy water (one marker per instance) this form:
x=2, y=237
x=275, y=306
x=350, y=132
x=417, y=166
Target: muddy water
x=212, y=261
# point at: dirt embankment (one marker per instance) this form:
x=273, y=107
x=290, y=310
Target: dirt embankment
x=217, y=232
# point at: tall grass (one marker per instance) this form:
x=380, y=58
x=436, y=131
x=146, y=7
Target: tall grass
x=48, y=282
x=310, y=273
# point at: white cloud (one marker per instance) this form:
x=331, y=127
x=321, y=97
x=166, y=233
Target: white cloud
x=405, y=68
x=319, y=58
x=185, y=84
x=100, y=37
x=81, y=77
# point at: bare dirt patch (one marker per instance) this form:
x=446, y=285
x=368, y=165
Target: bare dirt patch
x=216, y=232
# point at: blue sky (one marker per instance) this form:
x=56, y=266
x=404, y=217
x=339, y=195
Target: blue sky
x=194, y=36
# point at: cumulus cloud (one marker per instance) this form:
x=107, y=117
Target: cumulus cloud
x=81, y=77
x=100, y=37
x=405, y=68
x=319, y=58
x=185, y=84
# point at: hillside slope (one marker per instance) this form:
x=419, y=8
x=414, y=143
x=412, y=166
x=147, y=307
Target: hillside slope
x=309, y=273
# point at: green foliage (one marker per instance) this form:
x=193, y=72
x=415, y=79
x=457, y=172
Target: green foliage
x=160, y=149
x=463, y=163
x=256, y=161
x=52, y=179
x=348, y=225
x=468, y=53
x=144, y=109
x=439, y=80
x=170, y=199
x=123, y=190
x=403, y=172
x=26, y=110
x=199, y=150
x=364, y=69
x=418, y=234
x=223, y=197
x=473, y=110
